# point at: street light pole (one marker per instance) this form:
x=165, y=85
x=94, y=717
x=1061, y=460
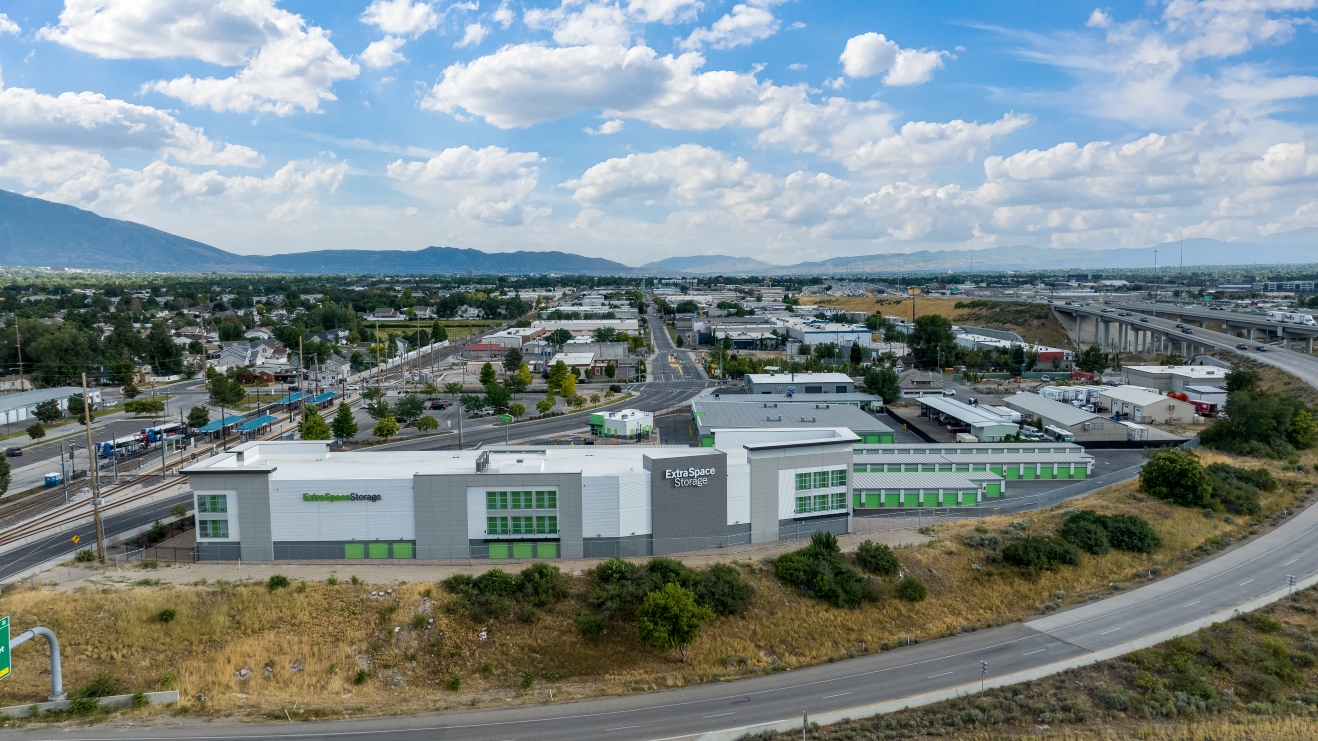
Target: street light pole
x=91, y=463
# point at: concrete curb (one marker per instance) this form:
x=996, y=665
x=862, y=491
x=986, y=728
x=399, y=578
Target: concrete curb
x=113, y=701
x=928, y=698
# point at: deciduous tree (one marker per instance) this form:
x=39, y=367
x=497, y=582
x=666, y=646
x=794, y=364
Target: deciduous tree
x=670, y=618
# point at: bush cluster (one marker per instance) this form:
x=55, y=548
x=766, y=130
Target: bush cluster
x=1177, y=476
x=493, y=593
x=1263, y=424
x=1237, y=489
x=1097, y=534
x=821, y=571
x=1041, y=554
x=877, y=559
x=618, y=588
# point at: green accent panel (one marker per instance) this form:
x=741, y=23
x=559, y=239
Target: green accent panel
x=522, y=550
x=377, y=550
x=1080, y=472
x=1045, y=472
x=892, y=499
x=354, y=550
x=546, y=550
x=858, y=468
x=978, y=467
x=1014, y=472
x=994, y=491
x=886, y=439
x=945, y=467
x=402, y=550
x=928, y=467
x=872, y=439
x=498, y=550
x=996, y=468
x=706, y=442
x=931, y=499
x=910, y=499
x=1064, y=472
x=873, y=499
x=858, y=500
x=963, y=467
x=1029, y=472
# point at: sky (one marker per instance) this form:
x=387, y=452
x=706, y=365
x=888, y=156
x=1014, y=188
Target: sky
x=636, y=130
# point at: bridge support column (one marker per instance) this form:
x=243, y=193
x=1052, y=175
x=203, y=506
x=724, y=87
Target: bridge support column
x=1096, y=323
x=1309, y=346
x=1107, y=336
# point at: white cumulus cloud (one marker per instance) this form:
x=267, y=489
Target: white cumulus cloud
x=924, y=144
x=490, y=185
x=285, y=64
x=746, y=24
x=664, y=11
x=401, y=17
x=8, y=26
x=384, y=53
x=870, y=53
x=591, y=24
x=474, y=34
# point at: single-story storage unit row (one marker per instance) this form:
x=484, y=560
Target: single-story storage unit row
x=868, y=402
x=955, y=449
x=1018, y=465
x=712, y=415
x=298, y=500
x=873, y=490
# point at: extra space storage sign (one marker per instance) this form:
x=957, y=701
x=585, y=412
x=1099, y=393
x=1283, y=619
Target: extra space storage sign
x=689, y=476
x=340, y=497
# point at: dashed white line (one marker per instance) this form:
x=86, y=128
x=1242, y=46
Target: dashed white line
x=1288, y=563
x=621, y=728
x=840, y=694
x=1110, y=631
x=1035, y=652
x=719, y=715
x=944, y=674
x=1243, y=583
x=1192, y=603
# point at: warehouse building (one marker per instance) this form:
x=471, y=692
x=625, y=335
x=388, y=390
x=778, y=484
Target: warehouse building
x=632, y=423
x=985, y=425
x=1079, y=425
x=860, y=400
x=713, y=415
x=1143, y=407
x=799, y=383
x=1169, y=378
x=23, y=405
x=273, y=501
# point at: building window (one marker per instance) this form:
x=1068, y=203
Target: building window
x=496, y=500
x=496, y=525
x=523, y=525
x=803, y=482
x=213, y=528
x=840, y=477
x=521, y=499
x=546, y=525
x=546, y=500
x=207, y=503
x=821, y=479
x=821, y=503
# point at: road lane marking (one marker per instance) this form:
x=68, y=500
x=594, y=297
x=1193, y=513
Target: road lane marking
x=840, y=694
x=719, y=715
x=1243, y=583
x=621, y=728
x=1288, y=563
x=944, y=674
x=1035, y=652
x=1110, y=631
x=1192, y=603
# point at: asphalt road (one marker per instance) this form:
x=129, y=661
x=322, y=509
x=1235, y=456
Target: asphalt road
x=1235, y=577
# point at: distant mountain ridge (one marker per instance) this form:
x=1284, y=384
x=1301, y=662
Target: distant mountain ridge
x=39, y=233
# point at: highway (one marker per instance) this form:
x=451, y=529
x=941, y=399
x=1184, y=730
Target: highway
x=1250, y=571
x=1298, y=364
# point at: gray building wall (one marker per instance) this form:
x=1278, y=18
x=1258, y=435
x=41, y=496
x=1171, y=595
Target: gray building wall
x=441, y=511
x=688, y=518
x=253, y=500
x=765, y=466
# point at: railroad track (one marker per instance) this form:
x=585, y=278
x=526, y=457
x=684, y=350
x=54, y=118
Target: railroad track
x=75, y=511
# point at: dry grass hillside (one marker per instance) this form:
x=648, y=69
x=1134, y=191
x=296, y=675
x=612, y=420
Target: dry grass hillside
x=1033, y=322
x=356, y=648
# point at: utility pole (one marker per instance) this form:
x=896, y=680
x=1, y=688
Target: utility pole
x=91, y=463
x=18, y=342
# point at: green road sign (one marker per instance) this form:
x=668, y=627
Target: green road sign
x=4, y=647
x=506, y=418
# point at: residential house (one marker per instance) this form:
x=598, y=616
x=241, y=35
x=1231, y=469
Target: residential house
x=470, y=312
x=424, y=312
x=916, y=383
x=15, y=383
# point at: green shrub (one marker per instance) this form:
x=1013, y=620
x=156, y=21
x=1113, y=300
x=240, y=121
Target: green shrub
x=84, y=555
x=1044, y=554
x=1177, y=476
x=276, y=581
x=1086, y=533
x=453, y=682
x=1131, y=533
x=361, y=676
x=722, y=589
x=821, y=571
x=460, y=584
x=591, y=625
x=497, y=583
x=139, y=700
x=877, y=559
x=543, y=584
x=911, y=589
x=167, y=615
x=85, y=700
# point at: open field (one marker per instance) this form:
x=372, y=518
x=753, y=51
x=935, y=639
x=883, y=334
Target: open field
x=336, y=649
x=1033, y=322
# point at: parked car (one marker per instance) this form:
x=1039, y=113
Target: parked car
x=949, y=392
x=352, y=387
x=14, y=452
x=1045, y=379
x=437, y=405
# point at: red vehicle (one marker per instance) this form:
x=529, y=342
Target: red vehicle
x=1079, y=375
x=1205, y=408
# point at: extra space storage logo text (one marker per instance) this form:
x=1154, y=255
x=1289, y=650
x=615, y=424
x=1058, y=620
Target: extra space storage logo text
x=306, y=497
x=689, y=476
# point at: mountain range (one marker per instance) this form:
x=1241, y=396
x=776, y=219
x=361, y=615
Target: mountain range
x=39, y=233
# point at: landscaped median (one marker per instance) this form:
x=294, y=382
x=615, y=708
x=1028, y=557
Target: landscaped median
x=424, y=641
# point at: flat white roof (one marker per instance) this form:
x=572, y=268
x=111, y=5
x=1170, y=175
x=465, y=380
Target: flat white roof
x=799, y=378
x=1193, y=371
x=1132, y=395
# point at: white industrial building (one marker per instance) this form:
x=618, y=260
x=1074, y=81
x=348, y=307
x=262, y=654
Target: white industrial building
x=1169, y=378
x=1142, y=406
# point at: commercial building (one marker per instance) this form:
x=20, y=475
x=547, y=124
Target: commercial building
x=813, y=332
x=579, y=327
x=631, y=423
x=860, y=400
x=272, y=501
x=23, y=405
x=1168, y=378
x=799, y=383
x=1080, y=425
x=916, y=384
x=985, y=425
x=1143, y=407
x=715, y=416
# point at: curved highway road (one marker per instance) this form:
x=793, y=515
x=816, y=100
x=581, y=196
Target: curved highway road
x=1236, y=578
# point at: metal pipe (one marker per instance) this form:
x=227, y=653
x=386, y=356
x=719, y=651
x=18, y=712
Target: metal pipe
x=57, y=692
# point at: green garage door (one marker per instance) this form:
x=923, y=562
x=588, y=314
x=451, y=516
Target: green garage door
x=1063, y=470
x=1029, y=471
x=963, y=467
x=996, y=468
x=910, y=499
x=892, y=499
x=887, y=439
x=522, y=550
x=378, y=550
x=1011, y=472
x=931, y=499
x=994, y=491
x=402, y=550
x=498, y=550
x=546, y=550
x=354, y=550
x=1080, y=471
x=1046, y=471
x=873, y=499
